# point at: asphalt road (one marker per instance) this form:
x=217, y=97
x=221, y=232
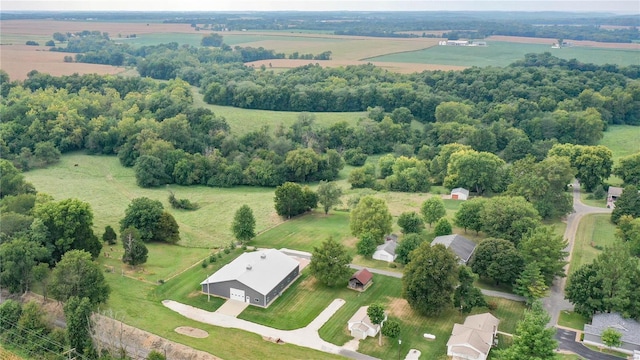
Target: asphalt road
x=567, y=341
x=555, y=302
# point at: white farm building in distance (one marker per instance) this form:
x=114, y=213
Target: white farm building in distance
x=461, y=43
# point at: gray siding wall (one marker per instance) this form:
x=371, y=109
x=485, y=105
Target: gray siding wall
x=282, y=285
x=223, y=289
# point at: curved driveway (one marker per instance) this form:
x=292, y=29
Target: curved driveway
x=555, y=302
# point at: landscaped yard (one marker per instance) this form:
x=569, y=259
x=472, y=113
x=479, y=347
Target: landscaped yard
x=572, y=320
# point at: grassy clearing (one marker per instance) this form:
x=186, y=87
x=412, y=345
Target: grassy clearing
x=570, y=357
x=108, y=188
x=622, y=140
x=572, y=320
x=499, y=53
x=594, y=230
x=242, y=121
x=584, y=197
x=308, y=231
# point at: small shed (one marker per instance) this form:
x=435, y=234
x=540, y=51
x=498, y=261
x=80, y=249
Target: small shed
x=459, y=194
x=387, y=251
x=361, y=280
x=360, y=326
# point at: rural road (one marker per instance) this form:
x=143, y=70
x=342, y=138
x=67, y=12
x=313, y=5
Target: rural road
x=555, y=302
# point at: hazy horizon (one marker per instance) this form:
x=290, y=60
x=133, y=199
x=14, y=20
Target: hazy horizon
x=615, y=7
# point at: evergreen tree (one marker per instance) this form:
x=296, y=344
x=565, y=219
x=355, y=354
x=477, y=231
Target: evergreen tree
x=531, y=283
x=533, y=340
x=109, y=235
x=77, y=313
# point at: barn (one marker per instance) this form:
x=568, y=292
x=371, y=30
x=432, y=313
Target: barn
x=459, y=194
x=255, y=277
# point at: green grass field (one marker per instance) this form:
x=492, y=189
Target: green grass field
x=572, y=320
x=108, y=188
x=499, y=53
x=242, y=121
x=594, y=230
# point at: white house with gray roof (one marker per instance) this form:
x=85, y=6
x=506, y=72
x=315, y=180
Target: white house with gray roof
x=460, y=245
x=255, y=277
x=629, y=328
x=387, y=251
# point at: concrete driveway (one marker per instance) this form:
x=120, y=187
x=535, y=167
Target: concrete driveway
x=232, y=308
x=567, y=341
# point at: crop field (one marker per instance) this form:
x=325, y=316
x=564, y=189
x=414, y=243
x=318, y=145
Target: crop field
x=498, y=53
x=19, y=60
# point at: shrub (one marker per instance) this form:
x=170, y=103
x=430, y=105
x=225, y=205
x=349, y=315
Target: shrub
x=492, y=305
x=205, y=263
x=183, y=204
x=599, y=193
x=212, y=258
x=355, y=157
x=227, y=250
x=393, y=265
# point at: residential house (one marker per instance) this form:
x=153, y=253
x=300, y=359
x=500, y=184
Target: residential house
x=473, y=339
x=459, y=194
x=360, y=326
x=460, y=245
x=387, y=251
x=612, y=195
x=254, y=277
x=361, y=280
x=629, y=328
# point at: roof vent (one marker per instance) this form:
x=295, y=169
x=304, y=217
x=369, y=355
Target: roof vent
x=263, y=256
x=249, y=267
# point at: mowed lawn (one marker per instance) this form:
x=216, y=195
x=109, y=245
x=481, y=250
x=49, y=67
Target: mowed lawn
x=109, y=188
x=499, y=53
x=594, y=230
x=139, y=304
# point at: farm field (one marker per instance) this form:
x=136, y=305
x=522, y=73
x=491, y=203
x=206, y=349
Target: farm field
x=498, y=53
x=622, y=140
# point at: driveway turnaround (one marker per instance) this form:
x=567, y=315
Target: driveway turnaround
x=567, y=341
x=306, y=336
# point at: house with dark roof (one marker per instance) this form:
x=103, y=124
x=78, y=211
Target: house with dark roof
x=473, y=339
x=255, y=277
x=387, y=251
x=460, y=245
x=361, y=280
x=629, y=328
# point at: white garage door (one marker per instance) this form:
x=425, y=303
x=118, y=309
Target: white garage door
x=236, y=294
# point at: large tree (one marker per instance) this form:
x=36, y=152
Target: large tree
x=592, y=163
x=509, y=217
x=469, y=215
x=328, y=195
x=440, y=163
x=167, y=229
x=533, y=340
x=19, y=257
x=371, y=215
x=69, y=226
x=466, y=295
x=135, y=252
x=610, y=284
x=546, y=248
x=627, y=204
x=498, y=260
x=628, y=169
x=410, y=222
x=479, y=171
x=77, y=275
x=330, y=263
x=408, y=243
x=77, y=312
x=143, y=214
x=432, y=210
x=11, y=180
x=430, y=278
x=292, y=199
x=244, y=224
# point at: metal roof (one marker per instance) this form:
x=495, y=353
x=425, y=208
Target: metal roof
x=260, y=270
x=459, y=244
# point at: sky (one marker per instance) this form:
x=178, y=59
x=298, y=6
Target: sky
x=615, y=6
